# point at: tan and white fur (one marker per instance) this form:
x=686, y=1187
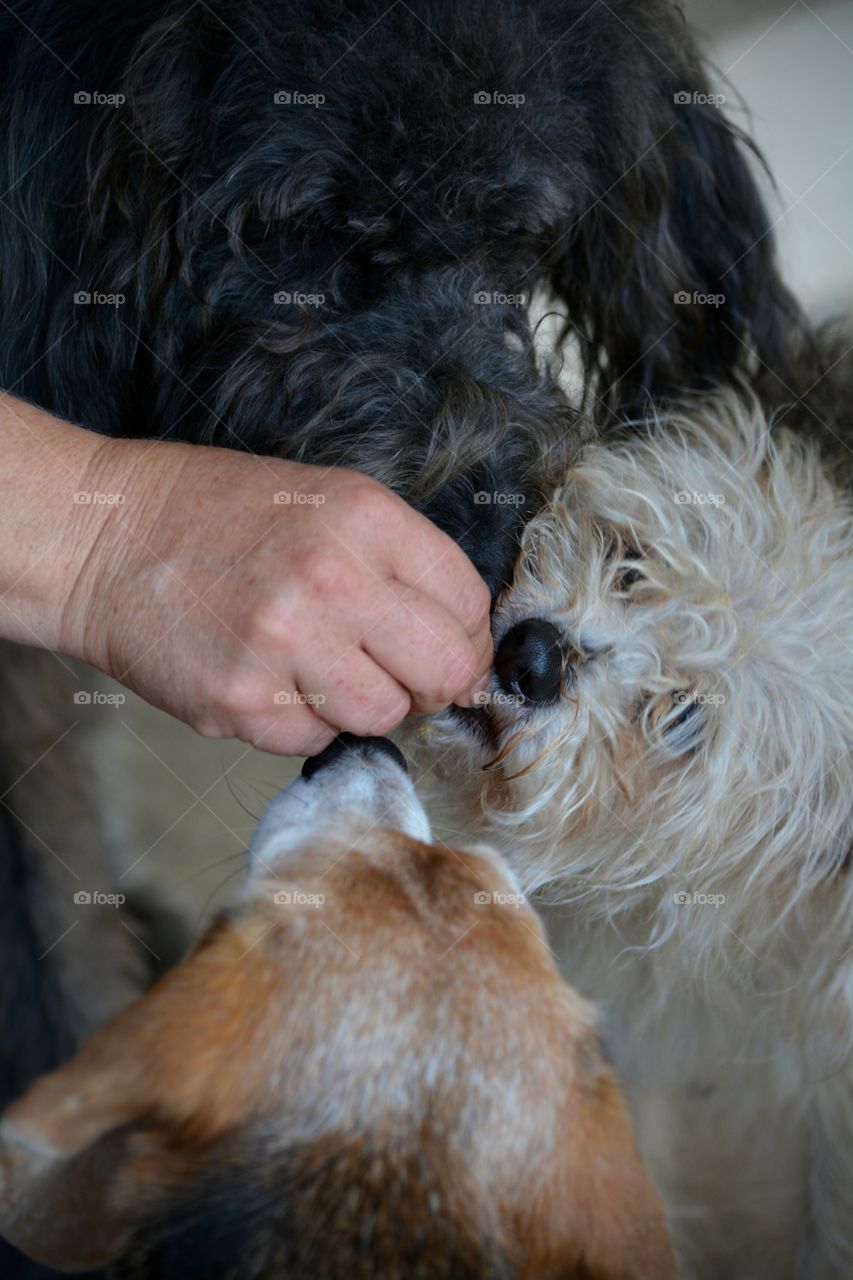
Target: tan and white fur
x=686, y=809
x=370, y=1067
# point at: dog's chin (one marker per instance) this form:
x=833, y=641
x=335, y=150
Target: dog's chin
x=477, y=726
x=487, y=733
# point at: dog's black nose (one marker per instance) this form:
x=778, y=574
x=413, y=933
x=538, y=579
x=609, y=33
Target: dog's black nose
x=529, y=661
x=347, y=744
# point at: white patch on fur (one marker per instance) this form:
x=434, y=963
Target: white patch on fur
x=354, y=795
x=699, y=864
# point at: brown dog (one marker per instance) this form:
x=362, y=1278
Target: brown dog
x=370, y=1067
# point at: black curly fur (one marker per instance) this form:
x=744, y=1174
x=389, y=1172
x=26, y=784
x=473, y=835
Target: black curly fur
x=400, y=199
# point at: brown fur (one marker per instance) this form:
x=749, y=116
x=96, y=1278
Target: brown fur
x=404, y=1057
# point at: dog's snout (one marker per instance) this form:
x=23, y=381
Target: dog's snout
x=529, y=661
x=347, y=744
x=352, y=788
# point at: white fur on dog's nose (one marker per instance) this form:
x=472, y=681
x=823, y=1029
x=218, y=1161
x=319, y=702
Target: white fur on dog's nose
x=356, y=784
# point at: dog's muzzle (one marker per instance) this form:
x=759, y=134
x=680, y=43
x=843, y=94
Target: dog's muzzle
x=353, y=786
x=348, y=744
x=529, y=661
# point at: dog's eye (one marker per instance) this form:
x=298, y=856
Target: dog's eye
x=683, y=709
x=683, y=724
x=674, y=722
x=627, y=579
x=618, y=549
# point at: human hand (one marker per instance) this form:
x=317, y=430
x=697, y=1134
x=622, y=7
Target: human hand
x=272, y=601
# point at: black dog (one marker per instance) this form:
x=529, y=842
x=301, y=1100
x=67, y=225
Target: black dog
x=318, y=224
x=215, y=164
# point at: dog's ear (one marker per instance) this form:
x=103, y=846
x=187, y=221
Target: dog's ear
x=626, y=1236
x=598, y=1216
x=63, y=1148
x=89, y=1147
x=677, y=286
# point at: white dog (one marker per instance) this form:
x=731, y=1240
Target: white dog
x=667, y=745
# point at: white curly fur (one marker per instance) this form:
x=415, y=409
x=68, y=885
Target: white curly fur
x=697, y=864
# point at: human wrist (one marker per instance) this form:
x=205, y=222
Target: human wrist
x=73, y=500
x=43, y=530
x=124, y=488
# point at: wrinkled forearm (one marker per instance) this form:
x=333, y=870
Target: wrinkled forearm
x=48, y=520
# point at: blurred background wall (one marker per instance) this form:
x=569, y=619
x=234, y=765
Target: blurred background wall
x=791, y=64
x=186, y=806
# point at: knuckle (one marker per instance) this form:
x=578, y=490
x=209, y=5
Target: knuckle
x=324, y=572
x=458, y=672
x=206, y=724
x=238, y=694
x=388, y=718
x=477, y=603
x=314, y=743
x=358, y=720
x=366, y=721
x=299, y=733
x=364, y=491
x=369, y=502
x=269, y=623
